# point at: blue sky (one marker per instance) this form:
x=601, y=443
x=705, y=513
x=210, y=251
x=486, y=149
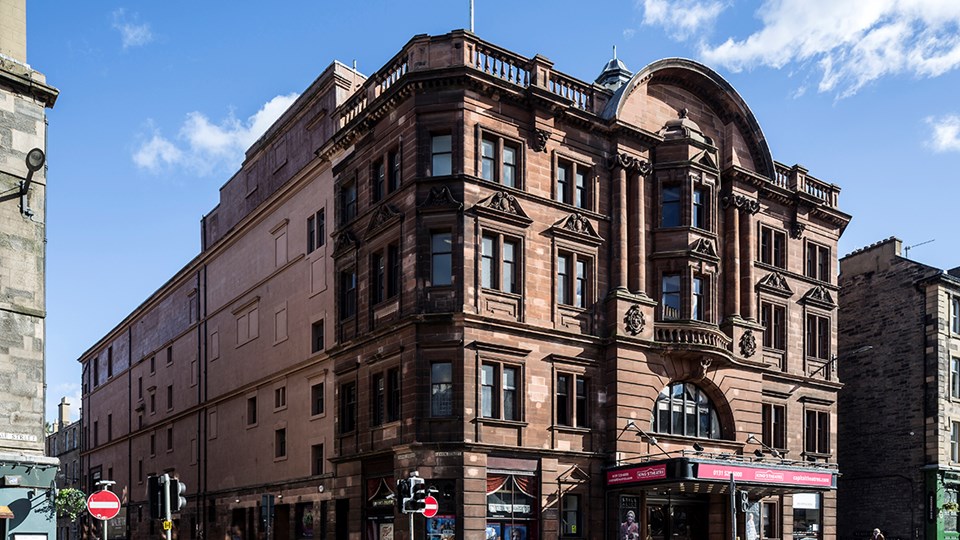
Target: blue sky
x=159, y=100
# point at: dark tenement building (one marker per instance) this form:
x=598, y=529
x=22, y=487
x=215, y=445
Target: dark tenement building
x=576, y=309
x=899, y=424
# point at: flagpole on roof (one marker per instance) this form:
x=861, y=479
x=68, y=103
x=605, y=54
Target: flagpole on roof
x=471, y=16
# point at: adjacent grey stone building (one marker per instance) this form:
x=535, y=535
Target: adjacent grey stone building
x=899, y=411
x=25, y=472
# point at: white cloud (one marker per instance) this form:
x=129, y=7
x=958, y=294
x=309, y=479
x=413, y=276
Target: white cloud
x=157, y=152
x=851, y=42
x=681, y=19
x=131, y=33
x=946, y=133
x=206, y=146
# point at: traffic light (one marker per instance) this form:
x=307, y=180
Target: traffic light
x=418, y=492
x=403, y=494
x=155, y=496
x=178, y=499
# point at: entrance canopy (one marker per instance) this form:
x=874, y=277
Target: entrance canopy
x=706, y=476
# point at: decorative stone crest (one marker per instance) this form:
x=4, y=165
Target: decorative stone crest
x=704, y=366
x=634, y=320
x=540, y=142
x=796, y=230
x=384, y=214
x=819, y=295
x=631, y=163
x=439, y=197
x=744, y=204
x=345, y=241
x=775, y=282
x=748, y=344
x=503, y=202
x=704, y=247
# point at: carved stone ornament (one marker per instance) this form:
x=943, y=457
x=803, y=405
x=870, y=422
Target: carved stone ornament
x=775, y=283
x=384, y=214
x=744, y=204
x=345, y=241
x=504, y=202
x=796, y=230
x=540, y=142
x=631, y=163
x=439, y=197
x=748, y=344
x=704, y=366
x=634, y=320
x=704, y=247
x=819, y=295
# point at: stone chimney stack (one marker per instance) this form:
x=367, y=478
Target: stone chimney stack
x=13, y=29
x=64, y=416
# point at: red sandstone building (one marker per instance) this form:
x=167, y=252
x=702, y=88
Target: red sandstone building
x=567, y=305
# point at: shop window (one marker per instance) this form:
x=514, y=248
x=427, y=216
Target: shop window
x=499, y=160
x=570, y=515
x=774, y=426
x=818, y=262
x=684, y=409
x=499, y=391
x=316, y=230
x=348, y=201
x=818, y=337
x=817, y=432
x=573, y=274
x=499, y=263
x=441, y=155
x=670, y=297
x=773, y=247
x=317, y=399
x=571, y=392
x=348, y=407
x=806, y=516
x=670, y=206
x=770, y=520
x=441, y=258
x=441, y=389
x=511, y=507
x=773, y=317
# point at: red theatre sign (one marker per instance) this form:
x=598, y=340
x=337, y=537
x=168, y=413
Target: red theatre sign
x=637, y=474
x=761, y=475
x=103, y=505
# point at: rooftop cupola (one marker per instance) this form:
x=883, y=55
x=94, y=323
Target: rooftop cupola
x=615, y=73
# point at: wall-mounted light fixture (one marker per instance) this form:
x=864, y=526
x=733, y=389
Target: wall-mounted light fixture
x=773, y=451
x=35, y=160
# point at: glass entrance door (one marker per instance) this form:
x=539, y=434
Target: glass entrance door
x=679, y=519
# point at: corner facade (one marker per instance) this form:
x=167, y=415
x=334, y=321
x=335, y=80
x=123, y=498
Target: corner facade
x=566, y=305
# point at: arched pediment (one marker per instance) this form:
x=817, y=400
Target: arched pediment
x=641, y=102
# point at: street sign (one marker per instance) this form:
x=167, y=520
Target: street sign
x=430, y=506
x=103, y=505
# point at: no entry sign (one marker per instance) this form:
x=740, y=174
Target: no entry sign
x=103, y=505
x=430, y=506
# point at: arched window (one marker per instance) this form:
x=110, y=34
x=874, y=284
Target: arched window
x=684, y=409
